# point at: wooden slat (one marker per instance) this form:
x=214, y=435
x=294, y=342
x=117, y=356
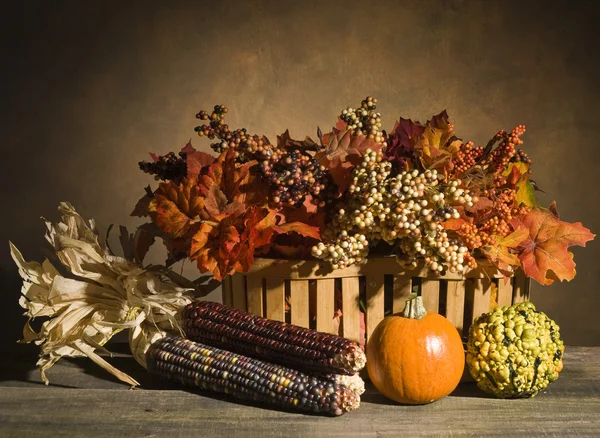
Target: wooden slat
x=455, y=303
x=505, y=292
x=430, y=291
x=402, y=290
x=254, y=293
x=482, y=289
x=350, y=308
x=275, y=299
x=375, y=302
x=325, y=305
x=299, y=303
x=520, y=288
x=226, y=291
x=238, y=285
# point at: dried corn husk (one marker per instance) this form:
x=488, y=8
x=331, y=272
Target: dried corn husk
x=99, y=295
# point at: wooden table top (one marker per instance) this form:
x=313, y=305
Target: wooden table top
x=83, y=400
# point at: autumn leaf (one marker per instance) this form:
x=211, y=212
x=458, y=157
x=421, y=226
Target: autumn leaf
x=500, y=252
x=544, y=253
x=343, y=152
x=229, y=245
x=401, y=142
x=196, y=160
x=300, y=228
x=141, y=207
x=230, y=177
x=176, y=207
x=285, y=141
x=453, y=224
x=517, y=175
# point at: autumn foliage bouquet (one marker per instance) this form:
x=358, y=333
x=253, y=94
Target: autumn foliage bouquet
x=417, y=192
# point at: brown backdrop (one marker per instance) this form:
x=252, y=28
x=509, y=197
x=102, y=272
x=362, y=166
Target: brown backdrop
x=90, y=87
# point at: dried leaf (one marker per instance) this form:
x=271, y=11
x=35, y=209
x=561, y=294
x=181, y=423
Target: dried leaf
x=453, y=224
x=500, y=253
x=177, y=207
x=141, y=208
x=300, y=228
x=196, y=160
x=544, y=255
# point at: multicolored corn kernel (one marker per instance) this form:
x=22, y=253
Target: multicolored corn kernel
x=213, y=369
x=302, y=348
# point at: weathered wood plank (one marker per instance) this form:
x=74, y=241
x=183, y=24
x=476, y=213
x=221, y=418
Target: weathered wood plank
x=227, y=291
x=402, y=290
x=254, y=294
x=275, y=293
x=238, y=284
x=455, y=303
x=375, y=302
x=299, y=302
x=350, y=309
x=482, y=288
x=569, y=408
x=325, y=305
x=430, y=291
x=505, y=292
x=520, y=288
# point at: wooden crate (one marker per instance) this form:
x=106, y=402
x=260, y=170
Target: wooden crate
x=312, y=290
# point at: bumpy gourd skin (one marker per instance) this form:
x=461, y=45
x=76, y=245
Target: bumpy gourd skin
x=515, y=351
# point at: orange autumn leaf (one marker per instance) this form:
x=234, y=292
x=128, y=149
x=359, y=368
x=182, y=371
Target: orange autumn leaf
x=176, y=207
x=499, y=253
x=453, y=224
x=229, y=245
x=544, y=255
x=230, y=177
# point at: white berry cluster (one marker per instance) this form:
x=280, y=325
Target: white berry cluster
x=406, y=211
x=364, y=120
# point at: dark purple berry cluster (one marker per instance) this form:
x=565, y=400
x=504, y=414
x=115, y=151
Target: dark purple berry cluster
x=293, y=174
x=170, y=167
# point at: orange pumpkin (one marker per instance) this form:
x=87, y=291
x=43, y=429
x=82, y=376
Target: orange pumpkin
x=415, y=357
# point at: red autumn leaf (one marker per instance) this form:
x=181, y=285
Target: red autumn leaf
x=196, y=160
x=544, y=255
x=176, y=207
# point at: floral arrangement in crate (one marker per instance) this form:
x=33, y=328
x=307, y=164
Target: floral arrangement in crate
x=418, y=192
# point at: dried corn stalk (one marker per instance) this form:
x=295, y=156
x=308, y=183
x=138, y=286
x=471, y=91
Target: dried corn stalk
x=97, y=296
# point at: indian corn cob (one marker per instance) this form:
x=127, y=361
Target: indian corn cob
x=222, y=371
x=302, y=348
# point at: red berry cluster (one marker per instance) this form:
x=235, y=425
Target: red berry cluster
x=467, y=156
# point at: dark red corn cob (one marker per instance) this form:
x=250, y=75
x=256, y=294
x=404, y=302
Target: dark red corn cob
x=245, y=378
x=301, y=348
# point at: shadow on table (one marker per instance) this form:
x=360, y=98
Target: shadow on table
x=18, y=360
x=464, y=389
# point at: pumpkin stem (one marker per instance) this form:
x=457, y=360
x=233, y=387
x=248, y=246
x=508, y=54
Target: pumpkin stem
x=414, y=308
